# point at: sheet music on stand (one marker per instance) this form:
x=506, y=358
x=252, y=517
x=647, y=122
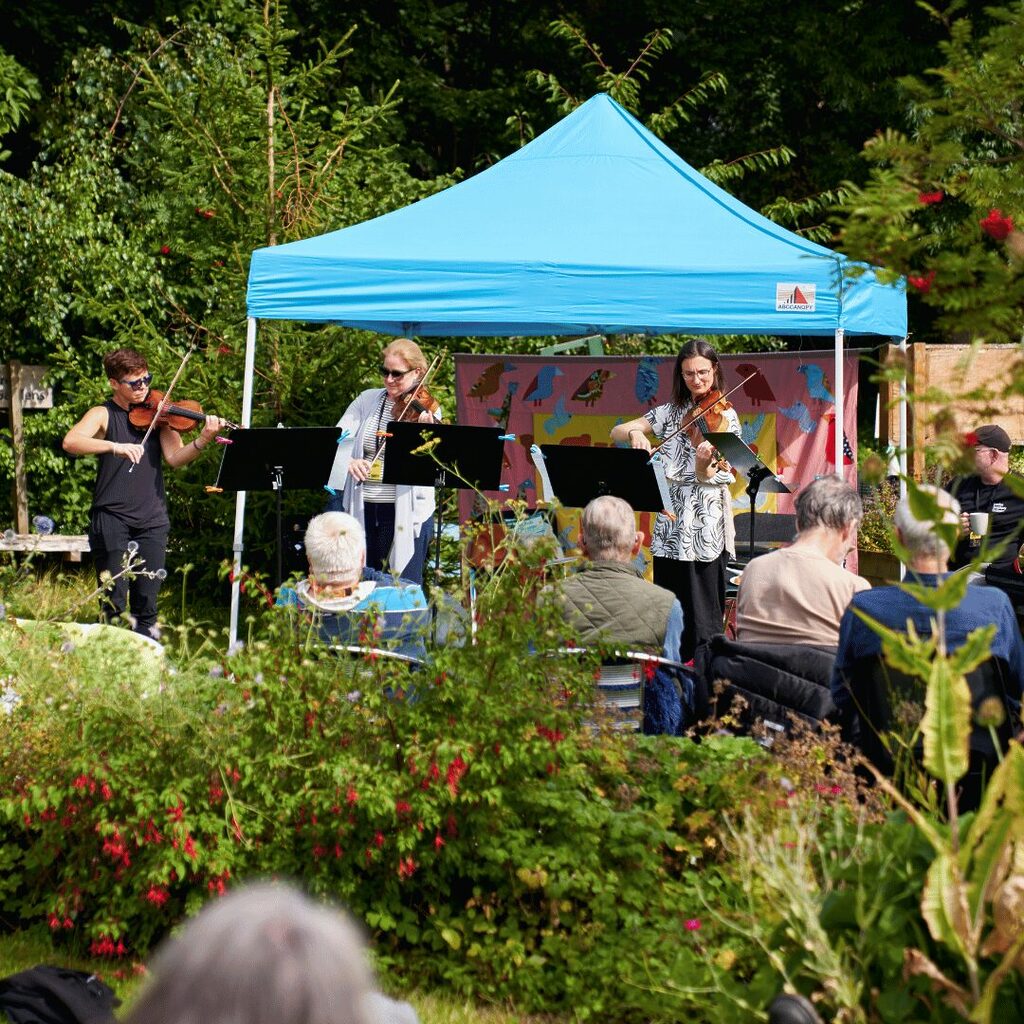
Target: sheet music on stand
x=747, y=463
x=278, y=459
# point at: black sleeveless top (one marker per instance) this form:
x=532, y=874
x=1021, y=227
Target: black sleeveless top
x=136, y=498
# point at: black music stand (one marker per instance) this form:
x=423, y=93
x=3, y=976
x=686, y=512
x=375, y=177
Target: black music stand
x=579, y=474
x=275, y=458
x=466, y=458
x=746, y=462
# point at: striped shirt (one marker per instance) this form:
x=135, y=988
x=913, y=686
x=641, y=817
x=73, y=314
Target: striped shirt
x=373, y=490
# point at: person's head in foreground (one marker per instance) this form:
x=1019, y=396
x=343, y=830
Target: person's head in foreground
x=928, y=551
x=608, y=531
x=263, y=954
x=336, y=550
x=829, y=510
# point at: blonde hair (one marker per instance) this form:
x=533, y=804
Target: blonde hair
x=407, y=349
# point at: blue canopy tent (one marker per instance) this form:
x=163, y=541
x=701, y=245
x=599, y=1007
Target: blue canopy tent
x=594, y=227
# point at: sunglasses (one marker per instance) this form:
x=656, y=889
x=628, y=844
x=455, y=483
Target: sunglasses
x=139, y=382
x=396, y=374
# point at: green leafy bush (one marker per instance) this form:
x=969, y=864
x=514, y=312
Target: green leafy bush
x=491, y=838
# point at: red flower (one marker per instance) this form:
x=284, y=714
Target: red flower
x=351, y=796
x=190, y=847
x=407, y=867
x=456, y=769
x=176, y=813
x=402, y=807
x=318, y=851
x=165, y=250
x=105, y=791
x=923, y=283
x=928, y=198
x=157, y=895
x=996, y=226
x=81, y=782
x=379, y=839
x=438, y=841
x=693, y=924
x=54, y=922
x=216, y=793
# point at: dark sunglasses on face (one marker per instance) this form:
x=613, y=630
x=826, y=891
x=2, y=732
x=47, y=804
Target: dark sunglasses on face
x=397, y=374
x=139, y=382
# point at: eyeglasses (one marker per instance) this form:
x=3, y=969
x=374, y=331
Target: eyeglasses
x=396, y=374
x=695, y=374
x=139, y=382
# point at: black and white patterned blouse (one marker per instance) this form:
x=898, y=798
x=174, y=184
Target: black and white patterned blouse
x=701, y=531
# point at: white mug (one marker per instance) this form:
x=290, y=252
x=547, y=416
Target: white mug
x=979, y=523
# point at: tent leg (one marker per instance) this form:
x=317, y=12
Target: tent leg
x=903, y=430
x=237, y=544
x=837, y=453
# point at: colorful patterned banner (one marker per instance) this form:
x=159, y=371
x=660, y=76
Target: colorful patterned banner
x=787, y=412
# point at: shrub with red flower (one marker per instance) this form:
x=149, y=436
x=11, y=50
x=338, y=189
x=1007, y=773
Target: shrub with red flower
x=996, y=226
x=921, y=282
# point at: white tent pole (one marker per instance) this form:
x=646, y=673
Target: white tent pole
x=838, y=439
x=237, y=545
x=903, y=429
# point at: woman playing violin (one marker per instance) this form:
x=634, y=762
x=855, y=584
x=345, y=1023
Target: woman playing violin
x=690, y=554
x=128, y=502
x=397, y=519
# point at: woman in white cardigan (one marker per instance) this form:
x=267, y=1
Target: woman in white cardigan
x=397, y=518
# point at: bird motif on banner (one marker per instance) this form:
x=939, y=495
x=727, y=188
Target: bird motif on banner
x=526, y=485
x=526, y=440
x=501, y=415
x=583, y=440
x=543, y=385
x=830, y=442
x=817, y=383
x=646, y=386
x=749, y=430
x=558, y=418
x=592, y=388
x=800, y=414
x=757, y=388
x=489, y=381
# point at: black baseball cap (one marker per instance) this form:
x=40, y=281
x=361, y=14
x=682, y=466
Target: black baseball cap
x=991, y=436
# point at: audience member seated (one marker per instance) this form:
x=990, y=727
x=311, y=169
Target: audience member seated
x=609, y=600
x=352, y=604
x=265, y=954
x=798, y=594
x=777, y=683
x=859, y=671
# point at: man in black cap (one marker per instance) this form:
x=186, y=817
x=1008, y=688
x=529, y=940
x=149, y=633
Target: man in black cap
x=987, y=491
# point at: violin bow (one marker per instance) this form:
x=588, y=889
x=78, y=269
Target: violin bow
x=167, y=397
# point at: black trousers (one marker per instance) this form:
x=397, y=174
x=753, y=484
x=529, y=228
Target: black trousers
x=700, y=587
x=109, y=538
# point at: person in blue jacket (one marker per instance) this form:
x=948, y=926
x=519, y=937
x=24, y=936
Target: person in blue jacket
x=352, y=604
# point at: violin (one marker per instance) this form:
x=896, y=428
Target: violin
x=418, y=400
x=708, y=417
x=181, y=416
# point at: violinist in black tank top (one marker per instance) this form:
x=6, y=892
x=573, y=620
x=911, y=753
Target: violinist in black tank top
x=129, y=505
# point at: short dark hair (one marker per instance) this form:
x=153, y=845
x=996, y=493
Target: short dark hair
x=123, y=360
x=694, y=347
x=829, y=502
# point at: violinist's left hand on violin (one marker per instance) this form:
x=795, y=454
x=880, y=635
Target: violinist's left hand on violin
x=213, y=426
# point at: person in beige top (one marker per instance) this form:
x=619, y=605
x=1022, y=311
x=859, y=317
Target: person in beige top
x=797, y=595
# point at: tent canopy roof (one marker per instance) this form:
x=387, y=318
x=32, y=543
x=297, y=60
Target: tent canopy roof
x=593, y=227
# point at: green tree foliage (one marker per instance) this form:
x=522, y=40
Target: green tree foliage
x=162, y=167
x=19, y=89
x=943, y=200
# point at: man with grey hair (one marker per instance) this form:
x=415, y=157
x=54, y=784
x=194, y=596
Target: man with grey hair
x=353, y=604
x=609, y=599
x=898, y=609
x=798, y=594
x=265, y=954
